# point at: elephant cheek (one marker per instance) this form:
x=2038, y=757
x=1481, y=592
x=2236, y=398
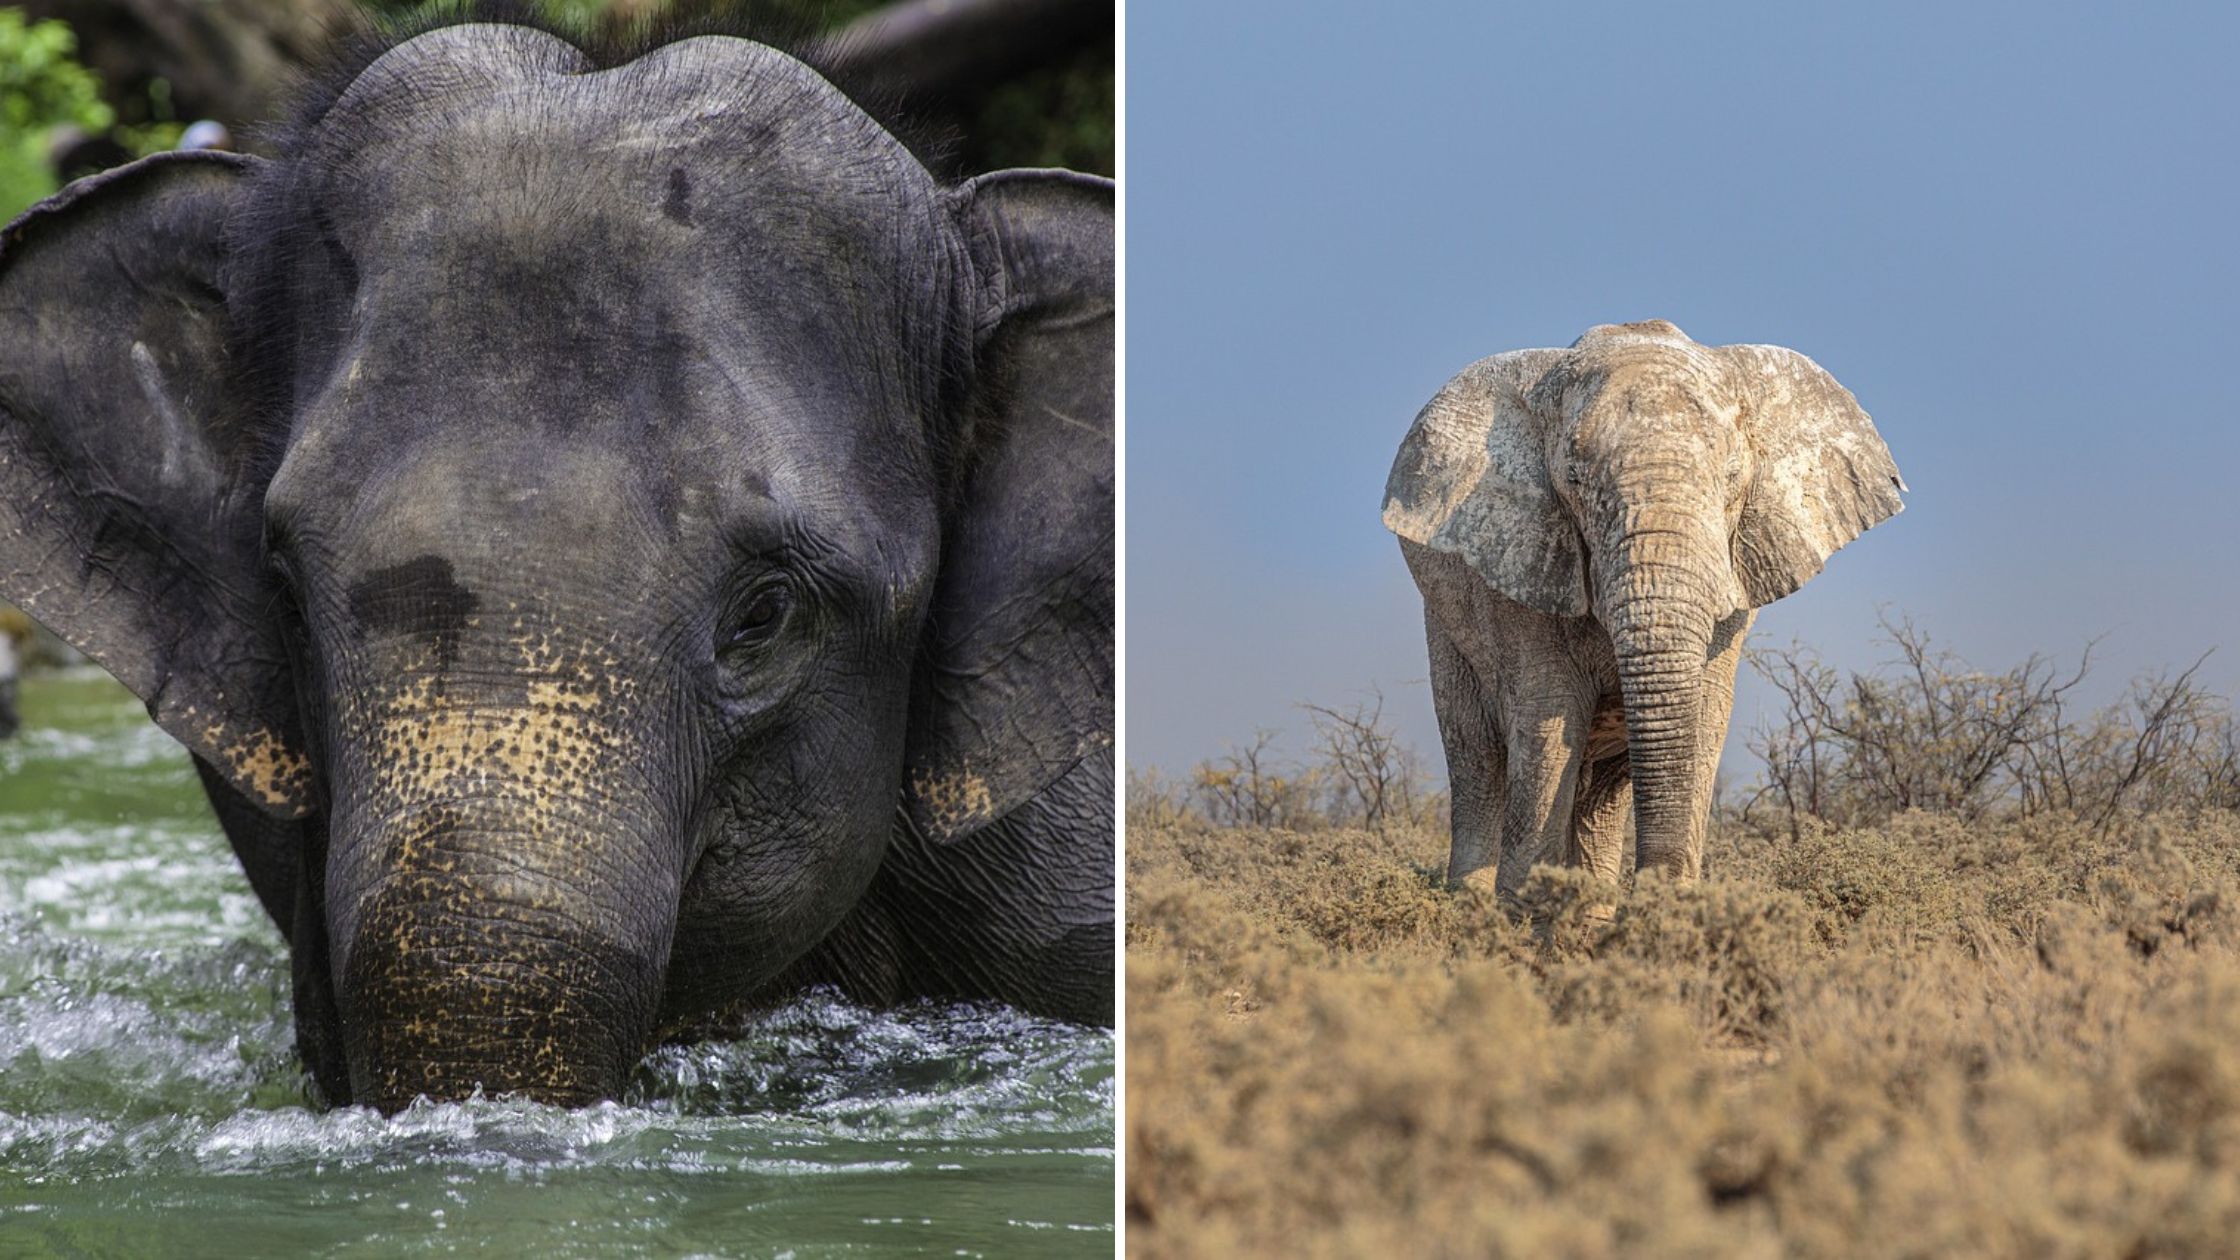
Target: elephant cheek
x=791, y=847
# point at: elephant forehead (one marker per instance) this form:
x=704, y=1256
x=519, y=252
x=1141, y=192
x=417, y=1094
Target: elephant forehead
x=709, y=85
x=1662, y=331
x=515, y=125
x=443, y=65
x=1652, y=378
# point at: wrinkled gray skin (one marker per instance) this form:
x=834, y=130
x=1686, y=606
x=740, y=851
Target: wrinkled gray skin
x=1592, y=530
x=619, y=544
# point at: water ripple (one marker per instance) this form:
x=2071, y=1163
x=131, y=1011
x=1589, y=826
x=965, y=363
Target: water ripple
x=150, y=1093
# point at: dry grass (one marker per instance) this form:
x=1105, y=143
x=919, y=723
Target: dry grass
x=1920, y=1039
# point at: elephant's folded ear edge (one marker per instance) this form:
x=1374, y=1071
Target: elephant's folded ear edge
x=1471, y=478
x=1015, y=675
x=1824, y=475
x=121, y=526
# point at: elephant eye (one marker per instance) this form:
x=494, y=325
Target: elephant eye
x=761, y=615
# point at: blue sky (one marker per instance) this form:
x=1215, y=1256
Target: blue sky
x=2013, y=231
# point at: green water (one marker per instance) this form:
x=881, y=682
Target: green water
x=150, y=1103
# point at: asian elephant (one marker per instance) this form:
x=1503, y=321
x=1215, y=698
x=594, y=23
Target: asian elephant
x=619, y=537
x=1592, y=529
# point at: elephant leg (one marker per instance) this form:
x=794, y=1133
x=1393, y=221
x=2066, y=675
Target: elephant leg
x=1477, y=762
x=1716, y=709
x=1546, y=743
x=1598, y=818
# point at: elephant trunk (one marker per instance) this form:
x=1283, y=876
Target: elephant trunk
x=502, y=897
x=1662, y=609
x=456, y=983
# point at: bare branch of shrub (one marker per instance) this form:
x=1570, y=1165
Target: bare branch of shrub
x=1927, y=731
x=1246, y=789
x=1367, y=762
x=1364, y=776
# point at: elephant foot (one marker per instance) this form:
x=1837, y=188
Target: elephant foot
x=1485, y=879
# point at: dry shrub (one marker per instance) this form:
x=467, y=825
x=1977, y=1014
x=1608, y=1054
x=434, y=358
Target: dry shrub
x=1724, y=951
x=1895, y=878
x=1922, y=1037
x=1926, y=731
x=1362, y=775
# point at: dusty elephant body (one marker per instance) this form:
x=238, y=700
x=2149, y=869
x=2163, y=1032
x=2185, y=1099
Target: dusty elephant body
x=1592, y=530
x=618, y=540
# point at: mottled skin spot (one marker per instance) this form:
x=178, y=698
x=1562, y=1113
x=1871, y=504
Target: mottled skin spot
x=262, y=765
x=418, y=597
x=429, y=742
x=955, y=802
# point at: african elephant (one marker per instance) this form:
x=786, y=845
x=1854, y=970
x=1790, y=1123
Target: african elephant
x=1592, y=530
x=619, y=538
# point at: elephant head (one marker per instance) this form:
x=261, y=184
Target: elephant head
x=1656, y=485
x=570, y=501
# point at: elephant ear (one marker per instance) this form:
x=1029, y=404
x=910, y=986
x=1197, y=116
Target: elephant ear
x=130, y=518
x=1472, y=479
x=1014, y=681
x=1823, y=475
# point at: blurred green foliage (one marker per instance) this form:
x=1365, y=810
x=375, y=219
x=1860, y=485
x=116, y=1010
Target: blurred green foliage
x=42, y=87
x=41, y=82
x=1060, y=116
